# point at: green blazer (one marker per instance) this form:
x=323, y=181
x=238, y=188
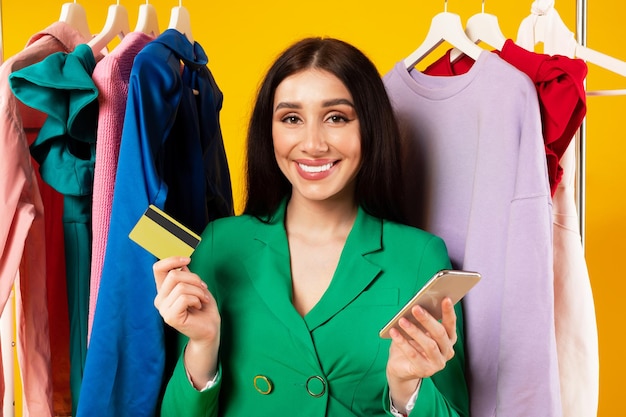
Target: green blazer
x=330, y=362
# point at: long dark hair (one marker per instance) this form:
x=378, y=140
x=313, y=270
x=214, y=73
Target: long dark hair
x=378, y=182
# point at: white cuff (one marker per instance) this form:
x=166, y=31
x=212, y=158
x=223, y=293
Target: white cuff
x=409, y=405
x=208, y=385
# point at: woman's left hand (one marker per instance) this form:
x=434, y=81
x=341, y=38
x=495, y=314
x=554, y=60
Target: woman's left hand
x=421, y=354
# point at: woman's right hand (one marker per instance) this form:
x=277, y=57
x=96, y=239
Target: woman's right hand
x=186, y=304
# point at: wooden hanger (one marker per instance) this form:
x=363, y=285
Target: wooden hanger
x=116, y=25
x=445, y=26
x=181, y=21
x=147, y=20
x=482, y=27
x=74, y=15
x=550, y=29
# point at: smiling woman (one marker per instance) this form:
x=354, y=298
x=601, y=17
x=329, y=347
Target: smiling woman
x=320, y=239
x=378, y=183
x=317, y=145
x=316, y=139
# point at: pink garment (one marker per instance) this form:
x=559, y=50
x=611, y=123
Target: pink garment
x=22, y=228
x=111, y=76
x=574, y=308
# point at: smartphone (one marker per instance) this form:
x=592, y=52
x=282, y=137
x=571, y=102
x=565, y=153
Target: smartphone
x=445, y=283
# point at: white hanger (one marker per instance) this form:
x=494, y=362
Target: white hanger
x=445, y=26
x=74, y=15
x=116, y=25
x=482, y=27
x=545, y=25
x=147, y=20
x=180, y=20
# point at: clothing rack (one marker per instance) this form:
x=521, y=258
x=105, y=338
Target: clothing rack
x=581, y=34
x=7, y=316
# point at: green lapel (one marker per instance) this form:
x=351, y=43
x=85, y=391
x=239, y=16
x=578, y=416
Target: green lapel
x=354, y=271
x=270, y=272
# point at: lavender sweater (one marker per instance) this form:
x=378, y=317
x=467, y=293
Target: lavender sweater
x=477, y=177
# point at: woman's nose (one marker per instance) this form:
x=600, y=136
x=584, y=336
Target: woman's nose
x=314, y=140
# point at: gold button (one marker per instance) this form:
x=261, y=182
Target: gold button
x=263, y=384
x=316, y=386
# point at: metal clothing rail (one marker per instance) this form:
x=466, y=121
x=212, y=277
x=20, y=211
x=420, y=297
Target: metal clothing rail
x=581, y=34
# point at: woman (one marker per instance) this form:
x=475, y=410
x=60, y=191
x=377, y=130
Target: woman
x=283, y=308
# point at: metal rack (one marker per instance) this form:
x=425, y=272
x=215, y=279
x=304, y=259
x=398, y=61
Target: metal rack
x=581, y=35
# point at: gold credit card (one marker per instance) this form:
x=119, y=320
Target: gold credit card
x=163, y=236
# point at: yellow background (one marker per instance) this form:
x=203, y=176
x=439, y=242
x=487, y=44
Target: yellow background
x=242, y=37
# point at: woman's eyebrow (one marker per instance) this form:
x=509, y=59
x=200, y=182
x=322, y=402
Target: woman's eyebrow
x=337, y=101
x=326, y=103
x=287, y=105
